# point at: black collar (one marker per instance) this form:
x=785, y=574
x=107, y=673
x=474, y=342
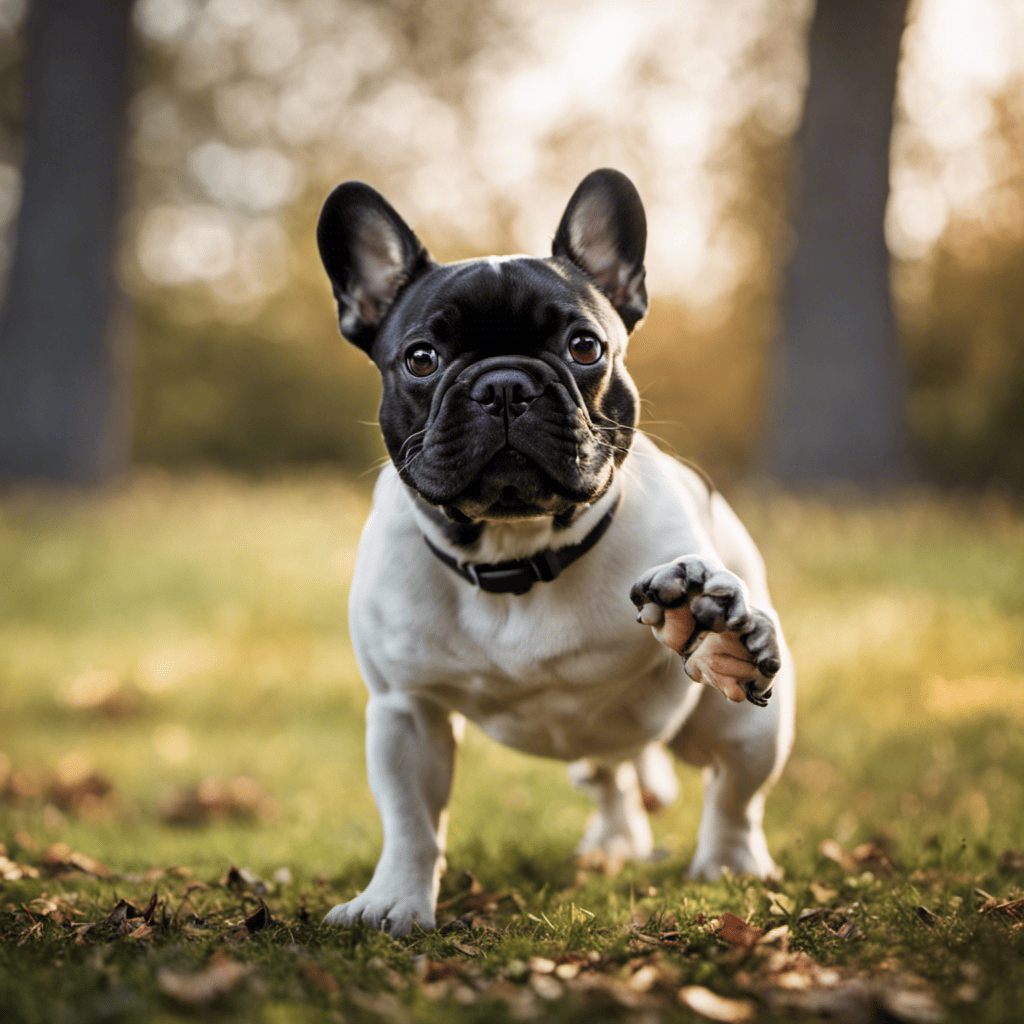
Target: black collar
x=517, y=577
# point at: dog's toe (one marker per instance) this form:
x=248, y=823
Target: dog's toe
x=397, y=916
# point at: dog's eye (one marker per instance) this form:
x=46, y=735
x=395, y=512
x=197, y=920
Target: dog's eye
x=422, y=360
x=585, y=349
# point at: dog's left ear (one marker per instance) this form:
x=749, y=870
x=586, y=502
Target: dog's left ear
x=604, y=232
x=369, y=254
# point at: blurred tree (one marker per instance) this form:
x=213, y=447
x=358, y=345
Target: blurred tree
x=836, y=410
x=59, y=381
x=962, y=324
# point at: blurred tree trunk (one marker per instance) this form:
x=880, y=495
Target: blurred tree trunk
x=837, y=406
x=60, y=409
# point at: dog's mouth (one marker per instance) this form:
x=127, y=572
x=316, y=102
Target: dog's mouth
x=512, y=486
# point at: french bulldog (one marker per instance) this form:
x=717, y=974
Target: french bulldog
x=522, y=529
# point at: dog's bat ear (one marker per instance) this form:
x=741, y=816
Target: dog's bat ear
x=604, y=233
x=369, y=254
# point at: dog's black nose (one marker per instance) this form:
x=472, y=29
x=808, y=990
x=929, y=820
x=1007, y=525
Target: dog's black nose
x=505, y=392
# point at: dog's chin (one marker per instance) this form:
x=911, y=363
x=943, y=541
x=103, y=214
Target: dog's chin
x=511, y=487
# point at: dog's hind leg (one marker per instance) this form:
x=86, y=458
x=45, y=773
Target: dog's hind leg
x=619, y=830
x=659, y=786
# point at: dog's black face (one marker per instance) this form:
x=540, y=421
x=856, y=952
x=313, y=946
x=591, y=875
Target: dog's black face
x=504, y=390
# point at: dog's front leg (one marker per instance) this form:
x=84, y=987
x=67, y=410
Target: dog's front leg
x=410, y=756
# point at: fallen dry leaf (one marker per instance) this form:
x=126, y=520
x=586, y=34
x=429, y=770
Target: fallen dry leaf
x=240, y=798
x=853, y=1000
x=80, y=790
x=875, y=855
x=715, y=1007
x=911, y=1006
x=737, y=932
x=24, y=841
x=1011, y=861
x=318, y=977
x=831, y=850
x=613, y=988
x=102, y=692
x=202, y=988
x=123, y=911
x=60, y=857
x=383, y=1004
x=644, y=979
x=243, y=880
x=1012, y=908
x=822, y=893
x=139, y=932
x=259, y=920
x=547, y=987
x=13, y=872
x=778, y=935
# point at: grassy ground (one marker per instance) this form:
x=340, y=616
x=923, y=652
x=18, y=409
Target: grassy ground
x=177, y=652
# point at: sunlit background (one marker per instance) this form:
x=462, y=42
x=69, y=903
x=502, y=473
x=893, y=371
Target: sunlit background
x=477, y=119
x=178, y=691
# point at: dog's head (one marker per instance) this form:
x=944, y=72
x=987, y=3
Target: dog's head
x=504, y=390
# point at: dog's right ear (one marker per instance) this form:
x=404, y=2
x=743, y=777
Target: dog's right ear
x=369, y=254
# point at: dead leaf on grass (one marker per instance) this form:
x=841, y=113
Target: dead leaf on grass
x=715, y=1007
x=60, y=858
x=547, y=987
x=79, y=789
x=822, y=893
x=613, y=988
x=383, y=1004
x=737, y=932
x=319, y=977
x=10, y=871
x=831, y=850
x=877, y=856
x=1011, y=861
x=1013, y=909
x=259, y=920
x=801, y=984
x=221, y=975
x=123, y=911
x=57, y=908
x=139, y=932
x=243, y=880
x=102, y=692
x=645, y=978
x=22, y=784
x=237, y=799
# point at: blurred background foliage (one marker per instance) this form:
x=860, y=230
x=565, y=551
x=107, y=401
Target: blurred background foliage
x=476, y=118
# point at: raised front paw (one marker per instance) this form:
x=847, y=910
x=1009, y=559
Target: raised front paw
x=700, y=611
x=393, y=912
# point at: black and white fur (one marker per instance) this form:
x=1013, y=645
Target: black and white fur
x=510, y=420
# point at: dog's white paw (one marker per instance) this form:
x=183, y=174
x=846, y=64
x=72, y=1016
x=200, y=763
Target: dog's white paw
x=614, y=841
x=392, y=911
x=739, y=852
x=618, y=831
x=700, y=611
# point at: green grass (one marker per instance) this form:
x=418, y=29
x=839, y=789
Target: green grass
x=214, y=610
